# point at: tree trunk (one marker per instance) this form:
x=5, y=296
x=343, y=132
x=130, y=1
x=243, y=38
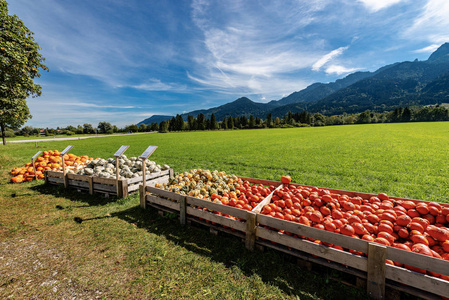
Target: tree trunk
x=2, y=126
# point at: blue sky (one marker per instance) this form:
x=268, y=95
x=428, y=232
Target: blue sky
x=123, y=61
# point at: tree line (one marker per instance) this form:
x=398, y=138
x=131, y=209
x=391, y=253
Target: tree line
x=302, y=119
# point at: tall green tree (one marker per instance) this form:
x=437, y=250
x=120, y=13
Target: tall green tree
x=105, y=127
x=20, y=62
x=213, y=123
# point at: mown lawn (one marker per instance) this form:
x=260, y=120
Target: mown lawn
x=120, y=251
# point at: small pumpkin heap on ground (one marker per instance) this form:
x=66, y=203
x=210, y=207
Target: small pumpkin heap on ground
x=49, y=160
x=129, y=167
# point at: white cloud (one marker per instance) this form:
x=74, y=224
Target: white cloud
x=328, y=57
x=156, y=85
x=376, y=5
x=245, y=52
x=339, y=70
x=432, y=24
x=428, y=49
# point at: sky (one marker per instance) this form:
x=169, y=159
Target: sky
x=124, y=61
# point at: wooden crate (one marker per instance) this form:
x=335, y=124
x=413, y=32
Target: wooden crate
x=378, y=274
x=205, y=212
x=95, y=184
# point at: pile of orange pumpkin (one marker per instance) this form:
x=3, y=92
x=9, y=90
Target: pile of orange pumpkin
x=421, y=227
x=49, y=160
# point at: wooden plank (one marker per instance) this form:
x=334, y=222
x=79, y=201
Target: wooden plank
x=46, y=177
x=342, y=257
x=424, y=282
x=216, y=227
x=148, y=177
x=318, y=234
x=261, y=181
x=265, y=201
x=55, y=180
x=162, y=202
x=133, y=188
x=376, y=271
x=102, y=180
x=105, y=188
x=142, y=197
x=161, y=180
x=54, y=174
x=164, y=193
x=308, y=257
x=91, y=185
x=411, y=290
x=228, y=210
x=76, y=184
x=238, y=225
x=433, y=264
x=250, y=238
x=182, y=211
x=78, y=177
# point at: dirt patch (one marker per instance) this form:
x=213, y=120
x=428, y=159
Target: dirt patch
x=33, y=269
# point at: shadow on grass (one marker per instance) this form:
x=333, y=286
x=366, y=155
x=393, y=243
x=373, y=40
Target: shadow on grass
x=74, y=195
x=271, y=266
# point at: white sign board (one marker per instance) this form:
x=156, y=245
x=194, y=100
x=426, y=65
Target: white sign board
x=121, y=150
x=36, y=155
x=150, y=150
x=66, y=150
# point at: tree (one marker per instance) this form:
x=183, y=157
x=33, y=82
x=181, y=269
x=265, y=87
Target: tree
x=252, y=122
x=269, y=120
x=20, y=62
x=224, y=123
x=213, y=123
x=163, y=127
x=87, y=128
x=105, y=127
x=201, y=121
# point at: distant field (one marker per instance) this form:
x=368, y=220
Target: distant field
x=122, y=252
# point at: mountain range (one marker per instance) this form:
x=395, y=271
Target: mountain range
x=397, y=85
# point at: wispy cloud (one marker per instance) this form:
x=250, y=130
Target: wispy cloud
x=339, y=70
x=245, y=51
x=157, y=85
x=432, y=23
x=428, y=49
x=328, y=57
x=376, y=5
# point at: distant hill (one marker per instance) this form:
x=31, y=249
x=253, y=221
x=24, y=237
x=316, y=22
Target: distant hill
x=399, y=84
x=155, y=119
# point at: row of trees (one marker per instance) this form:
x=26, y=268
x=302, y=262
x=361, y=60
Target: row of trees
x=407, y=114
x=303, y=119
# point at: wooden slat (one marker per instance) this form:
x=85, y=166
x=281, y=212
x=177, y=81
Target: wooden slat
x=101, y=180
x=77, y=183
x=78, y=177
x=376, y=271
x=412, y=291
x=132, y=188
x=307, y=257
x=105, y=188
x=54, y=174
x=265, y=201
x=261, y=181
x=55, y=180
x=142, y=197
x=228, y=210
x=328, y=253
x=163, y=202
x=250, y=238
x=163, y=193
x=238, y=225
x=433, y=264
x=322, y=235
x=217, y=227
x=182, y=211
x=427, y=283
x=161, y=180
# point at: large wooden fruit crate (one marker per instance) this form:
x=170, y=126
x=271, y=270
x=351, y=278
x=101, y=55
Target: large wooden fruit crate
x=120, y=188
x=221, y=217
x=371, y=267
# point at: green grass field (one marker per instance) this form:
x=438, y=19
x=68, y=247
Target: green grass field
x=121, y=251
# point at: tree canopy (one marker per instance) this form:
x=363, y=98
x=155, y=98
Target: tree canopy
x=20, y=62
